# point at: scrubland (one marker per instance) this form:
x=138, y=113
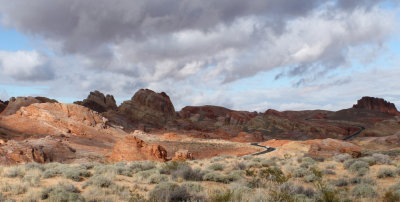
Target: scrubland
x=372, y=177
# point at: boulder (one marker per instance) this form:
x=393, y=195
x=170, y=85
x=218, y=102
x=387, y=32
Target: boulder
x=16, y=103
x=183, y=155
x=97, y=101
x=135, y=149
x=376, y=104
x=149, y=107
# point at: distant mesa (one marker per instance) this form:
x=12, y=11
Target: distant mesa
x=3, y=105
x=376, y=104
x=98, y=102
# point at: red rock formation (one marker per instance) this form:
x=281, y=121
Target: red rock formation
x=376, y=104
x=183, y=155
x=247, y=137
x=148, y=107
x=329, y=147
x=135, y=149
x=96, y=101
x=3, y=105
x=42, y=150
x=16, y=103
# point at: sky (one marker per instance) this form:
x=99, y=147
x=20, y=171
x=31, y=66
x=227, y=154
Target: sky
x=246, y=55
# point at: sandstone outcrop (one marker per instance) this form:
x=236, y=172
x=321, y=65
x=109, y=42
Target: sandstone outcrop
x=183, y=155
x=98, y=102
x=3, y=105
x=376, y=104
x=329, y=147
x=16, y=103
x=135, y=149
x=148, y=107
x=42, y=150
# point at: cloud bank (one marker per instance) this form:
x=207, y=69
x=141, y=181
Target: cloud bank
x=190, y=47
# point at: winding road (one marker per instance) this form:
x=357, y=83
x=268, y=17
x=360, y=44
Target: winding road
x=270, y=149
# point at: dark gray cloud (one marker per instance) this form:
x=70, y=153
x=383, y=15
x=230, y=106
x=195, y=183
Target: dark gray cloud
x=121, y=45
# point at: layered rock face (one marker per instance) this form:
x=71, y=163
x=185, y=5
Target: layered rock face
x=3, y=105
x=135, y=149
x=16, y=103
x=97, y=101
x=376, y=104
x=213, y=117
x=149, y=107
x=42, y=150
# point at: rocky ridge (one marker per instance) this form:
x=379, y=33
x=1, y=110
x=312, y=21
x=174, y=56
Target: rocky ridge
x=376, y=104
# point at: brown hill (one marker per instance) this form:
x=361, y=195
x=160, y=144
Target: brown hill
x=16, y=103
x=376, y=104
x=96, y=101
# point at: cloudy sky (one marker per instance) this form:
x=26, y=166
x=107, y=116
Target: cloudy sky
x=246, y=55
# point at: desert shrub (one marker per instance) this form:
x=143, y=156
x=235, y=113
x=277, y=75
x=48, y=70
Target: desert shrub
x=32, y=180
x=94, y=194
x=89, y=165
x=142, y=165
x=31, y=196
x=364, y=191
x=76, y=173
x=187, y=173
x=341, y=182
x=391, y=196
x=382, y=159
x=397, y=171
x=63, y=191
x=248, y=157
x=369, y=159
x=122, y=169
x=359, y=180
x=169, y=167
x=217, y=159
x=98, y=181
x=386, y=172
x=217, y=177
x=254, y=183
x=144, y=175
x=193, y=187
x=54, y=169
x=14, y=172
x=167, y=191
x=220, y=195
x=328, y=172
x=240, y=166
x=331, y=166
x=274, y=174
x=157, y=178
x=357, y=165
x=268, y=162
x=14, y=188
x=300, y=172
x=33, y=165
x=326, y=193
x=310, y=178
x=239, y=192
x=254, y=165
x=306, y=162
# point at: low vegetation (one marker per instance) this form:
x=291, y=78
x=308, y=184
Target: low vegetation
x=341, y=178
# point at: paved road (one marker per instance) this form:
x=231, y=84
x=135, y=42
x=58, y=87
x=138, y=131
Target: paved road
x=354, y=134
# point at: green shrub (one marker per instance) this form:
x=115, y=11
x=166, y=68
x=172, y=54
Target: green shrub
x=216, y=177
x=33, y=165
x=357, y=165
x=300, y=172
x=14, y=188
x=220, y=195
x=391, y=196
x=359, y=180
x=167, y=191
x=158, y=178
x=382, y=158
x=76, y=173
x=98, y=181
x=328, y=172
x=306, y=162
x=274, y=174
x=239, y=193
x=268, y=163
x=171, y=166
x=240, y=166
x=193, y=187
x=386, y=172
x=63, y=191
x=187, y=173
x=310, y=178
x=14, y=172
x=369, y=159
x=341, y=182
x=364, y=191
x=143, y=165
x=254, y=165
